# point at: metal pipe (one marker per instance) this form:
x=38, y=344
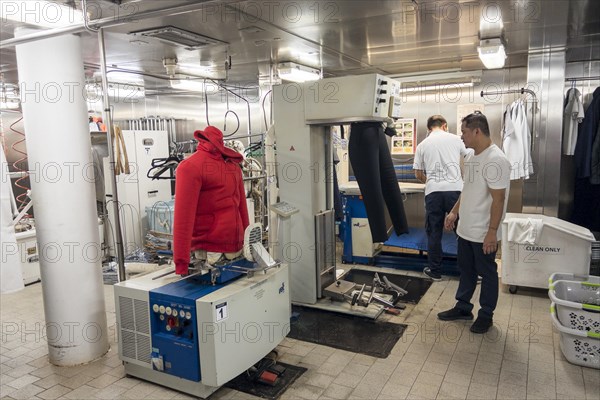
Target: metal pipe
x=85, y=18
x=521, y=91
x=244, y=136
x=251, y=178
x=583, y=78
x=108, y=118
x=107, y=22
x=172, y=133
x=239, y=97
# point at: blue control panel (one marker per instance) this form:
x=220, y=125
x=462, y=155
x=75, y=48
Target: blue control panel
x=174, y=324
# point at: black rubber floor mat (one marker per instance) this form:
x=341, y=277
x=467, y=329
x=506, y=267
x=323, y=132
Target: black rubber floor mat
x=346, y=332
x=416, y=287
x=244, y=383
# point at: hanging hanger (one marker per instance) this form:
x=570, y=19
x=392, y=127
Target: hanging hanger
x=161, y=165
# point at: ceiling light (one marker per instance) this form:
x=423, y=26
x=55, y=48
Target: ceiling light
x=492, y=53
x=189, y=85
x=125, y=91
x=122, y=91
x=446, y=86
x=46, y=14
x=293, y=72
x=114, y=76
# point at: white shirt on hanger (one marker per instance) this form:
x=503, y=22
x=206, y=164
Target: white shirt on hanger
x=516, y=140
x=573, y=116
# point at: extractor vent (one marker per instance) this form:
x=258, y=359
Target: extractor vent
x=128, y=344
x=179, y=37
x=143, y=348
x=126, y=310
x=134, y=329
x=142, y=322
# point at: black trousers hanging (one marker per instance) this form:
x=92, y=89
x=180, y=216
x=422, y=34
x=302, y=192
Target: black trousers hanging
x=374, y=170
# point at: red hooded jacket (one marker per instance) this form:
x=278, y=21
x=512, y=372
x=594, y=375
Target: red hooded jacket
x=210, y=202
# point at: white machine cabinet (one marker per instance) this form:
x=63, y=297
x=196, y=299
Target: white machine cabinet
x=137, y=192
x=29, y=256
x=561, y=247
x=168, y=335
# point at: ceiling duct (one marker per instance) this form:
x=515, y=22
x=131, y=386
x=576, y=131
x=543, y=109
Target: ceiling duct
x=179, y=37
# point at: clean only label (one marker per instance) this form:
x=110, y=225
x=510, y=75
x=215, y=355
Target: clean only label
x=543, y=249
x=221, y=312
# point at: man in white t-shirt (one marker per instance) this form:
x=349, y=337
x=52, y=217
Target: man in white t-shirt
x=437, y=164
x=481, y=208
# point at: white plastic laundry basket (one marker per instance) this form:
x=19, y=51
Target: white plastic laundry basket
x=577, y=305
x=563, y=276
x=578, y=347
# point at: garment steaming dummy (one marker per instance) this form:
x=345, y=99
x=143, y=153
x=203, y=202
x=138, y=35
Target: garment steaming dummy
x=374, y=170
x=210, y=203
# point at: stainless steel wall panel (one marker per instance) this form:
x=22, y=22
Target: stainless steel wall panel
x=546, y=71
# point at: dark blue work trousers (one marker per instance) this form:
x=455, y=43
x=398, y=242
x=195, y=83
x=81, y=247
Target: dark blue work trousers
x=437, y=204
x=472, y=262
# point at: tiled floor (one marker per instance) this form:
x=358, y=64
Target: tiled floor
x=518, y=359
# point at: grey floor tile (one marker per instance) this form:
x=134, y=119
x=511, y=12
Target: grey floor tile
x=54, y=392
x=519, y=359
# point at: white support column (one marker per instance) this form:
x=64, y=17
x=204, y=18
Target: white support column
x=52, y=90
x=11, y=275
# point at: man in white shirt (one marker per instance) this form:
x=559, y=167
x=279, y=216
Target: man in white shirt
x=437, y=164
x=481, y=208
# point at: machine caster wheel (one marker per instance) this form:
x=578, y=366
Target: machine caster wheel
x=512, y=289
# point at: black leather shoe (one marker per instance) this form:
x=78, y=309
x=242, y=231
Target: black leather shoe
x=481, y=325
x=454, y=314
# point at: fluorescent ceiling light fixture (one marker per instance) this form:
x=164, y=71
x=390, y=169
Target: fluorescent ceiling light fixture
x=125, y=91
x=189, y=85
x=293, y=72
x=120, y=91
x=120, y=77
x=446, y=86
x=492, y=53
x=45, y=14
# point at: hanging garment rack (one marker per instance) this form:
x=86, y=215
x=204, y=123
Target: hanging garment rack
x=583, y=78
x=509, y=91
x=533, y=108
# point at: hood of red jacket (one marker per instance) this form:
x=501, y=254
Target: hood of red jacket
x=214, y=136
